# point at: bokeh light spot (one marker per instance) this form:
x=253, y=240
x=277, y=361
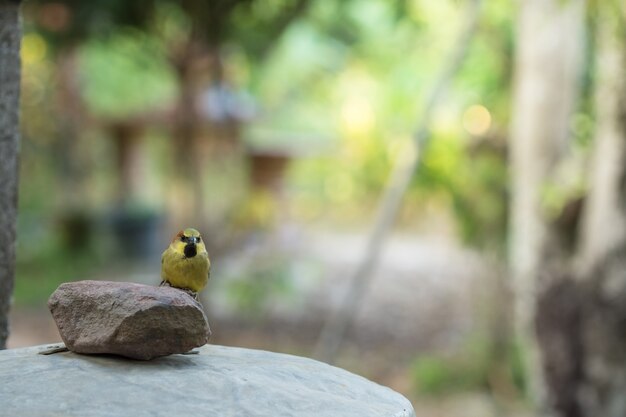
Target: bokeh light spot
x=476, y=120
x=33, y=48
x=357, y=116
x=54, y=17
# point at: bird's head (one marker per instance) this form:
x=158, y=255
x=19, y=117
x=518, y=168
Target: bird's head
x=188, y=243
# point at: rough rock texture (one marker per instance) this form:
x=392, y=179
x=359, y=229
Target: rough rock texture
x=219, y=381
x=133, y=320
x=10, y=35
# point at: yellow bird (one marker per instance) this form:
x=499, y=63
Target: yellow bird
x=185, y=263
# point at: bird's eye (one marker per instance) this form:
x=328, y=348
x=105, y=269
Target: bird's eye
x=199, y=239
x=183, y=238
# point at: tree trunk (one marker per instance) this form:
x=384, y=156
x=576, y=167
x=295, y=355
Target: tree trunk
x=72, y=166
x=547, y=69
x=188, y=202
x=10, y=35
x=581, y=321
x=131, y=171
x=603, y=224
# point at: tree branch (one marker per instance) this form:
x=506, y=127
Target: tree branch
x=335, y=328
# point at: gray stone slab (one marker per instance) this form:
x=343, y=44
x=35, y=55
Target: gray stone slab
x=219, y=381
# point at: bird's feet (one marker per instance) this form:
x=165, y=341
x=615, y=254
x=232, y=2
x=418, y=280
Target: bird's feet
x=192, y=293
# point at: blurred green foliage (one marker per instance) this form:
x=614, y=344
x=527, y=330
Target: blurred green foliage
x=44, y=262
x=136, y=70
x=347, y=79
x=374, y=63
x=41, y=274
x=265, y=280
x=338, y=86
x=472, y=368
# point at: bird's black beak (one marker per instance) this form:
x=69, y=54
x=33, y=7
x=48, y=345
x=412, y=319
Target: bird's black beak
x=190, y=248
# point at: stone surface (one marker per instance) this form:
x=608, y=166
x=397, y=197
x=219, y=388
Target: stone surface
x=133, y=320
x=219, y=381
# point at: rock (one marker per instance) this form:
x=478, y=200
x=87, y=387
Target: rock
x=219, y=381
x=133, y=320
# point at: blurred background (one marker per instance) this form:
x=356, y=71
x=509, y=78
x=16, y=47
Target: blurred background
x=273, y=127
